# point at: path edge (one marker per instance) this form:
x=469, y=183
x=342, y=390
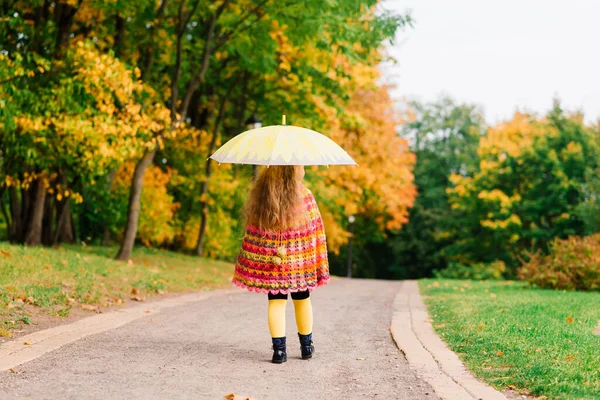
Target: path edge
x=29, y=347
x=428, y=355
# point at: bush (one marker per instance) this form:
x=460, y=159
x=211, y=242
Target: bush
x=573, y=263
x=480, y=271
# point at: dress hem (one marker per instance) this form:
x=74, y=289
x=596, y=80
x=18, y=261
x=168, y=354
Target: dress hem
x=278, y=291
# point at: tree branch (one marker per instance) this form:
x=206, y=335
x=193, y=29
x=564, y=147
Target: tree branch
x=160, y=14
x=177, y=69
x=206, y=52
x=223, y=37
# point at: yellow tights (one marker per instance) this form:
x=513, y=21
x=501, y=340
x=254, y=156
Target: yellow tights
x=304, y=316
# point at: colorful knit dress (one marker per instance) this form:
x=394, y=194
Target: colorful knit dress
x=286, y=261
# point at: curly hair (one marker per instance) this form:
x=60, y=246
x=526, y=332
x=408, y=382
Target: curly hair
x=275, y=200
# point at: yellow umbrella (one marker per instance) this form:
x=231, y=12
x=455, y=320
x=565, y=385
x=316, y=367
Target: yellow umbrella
x=282, y=145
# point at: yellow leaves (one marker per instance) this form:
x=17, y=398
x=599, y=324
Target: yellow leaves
x=500, y=353
x=10, y=181
x=574, y=148
x=569, y=320
x=157, y=205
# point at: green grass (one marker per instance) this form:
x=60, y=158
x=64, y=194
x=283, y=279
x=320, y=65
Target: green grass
x=58, y=279
x=539, y=342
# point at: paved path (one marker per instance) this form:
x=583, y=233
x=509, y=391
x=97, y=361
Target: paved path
x=221, y=345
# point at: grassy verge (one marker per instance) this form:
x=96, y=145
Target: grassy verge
x=539, y=342
x=57, y=280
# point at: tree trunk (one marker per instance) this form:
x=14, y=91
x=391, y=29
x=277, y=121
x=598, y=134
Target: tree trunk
x=64, y=225
x=204, y=190
x=47, y=222
x=133, y=209
x=109, y=185
x=26, y=200
x=33, y=235
x=15, y=213
x=64, y=14
x=119, y=35
x=67, y=233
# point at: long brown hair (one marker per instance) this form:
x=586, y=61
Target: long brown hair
x=275, y=201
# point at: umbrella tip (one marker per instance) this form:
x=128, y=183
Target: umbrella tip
x=283, y=119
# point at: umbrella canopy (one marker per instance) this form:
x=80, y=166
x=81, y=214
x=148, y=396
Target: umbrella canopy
x=282, y=145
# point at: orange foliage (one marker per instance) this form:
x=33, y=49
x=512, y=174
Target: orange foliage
x=573, y=263
x=381, y=187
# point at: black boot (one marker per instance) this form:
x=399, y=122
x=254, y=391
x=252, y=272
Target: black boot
x=306, y=346
x=279, y=350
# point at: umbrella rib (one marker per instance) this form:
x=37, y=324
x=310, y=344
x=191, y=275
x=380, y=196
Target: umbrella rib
x=274, y=145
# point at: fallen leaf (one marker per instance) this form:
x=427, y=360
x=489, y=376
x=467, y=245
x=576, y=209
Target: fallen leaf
x=569, y=358
x=146, y=311
x=233, y=396
x=493, y=295
x=4, y=253
x=360, y=358
x=130, y=262
x=500, y=353
x=89, y=307
x=138, y=298
x=16, y=371
x=570, y=320
x=27, y=343
x=64, y=262
x=439, y=326
x=135, y=290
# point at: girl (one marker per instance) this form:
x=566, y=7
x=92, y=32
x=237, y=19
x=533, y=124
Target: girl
x=283, y=251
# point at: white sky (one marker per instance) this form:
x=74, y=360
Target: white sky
x=501, y=54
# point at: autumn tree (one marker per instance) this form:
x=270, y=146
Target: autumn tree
x=175, y=79
x=527, y=189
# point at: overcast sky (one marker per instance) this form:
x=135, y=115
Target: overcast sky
x=502, y=54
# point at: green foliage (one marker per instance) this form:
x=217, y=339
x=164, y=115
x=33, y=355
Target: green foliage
x=527, y=190
x=491, y=271
x=588, y=211
x=444, y=136
x=537, y=341
x=572, y=263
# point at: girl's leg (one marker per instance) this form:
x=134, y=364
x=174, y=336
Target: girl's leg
x=277, y=303
x=304, y=321
x=303, y=311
